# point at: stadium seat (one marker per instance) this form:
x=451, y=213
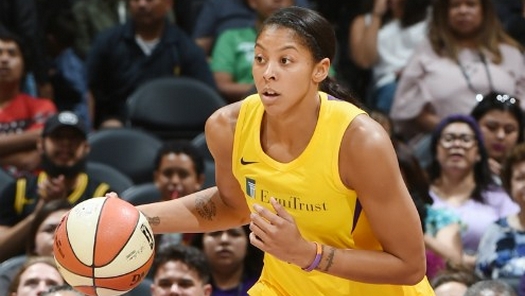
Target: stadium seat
x=5, y=179
x=116, y=180
x=141, y=194
x=200, y=142
x=172, y=108
x=8, y=270
x=128, y=150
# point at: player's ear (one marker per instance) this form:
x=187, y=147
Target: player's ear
x=321, y=70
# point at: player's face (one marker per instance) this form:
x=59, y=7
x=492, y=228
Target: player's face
x=174, y=278
x=11, y=62
x=176, y=176
x=65, y=146
x=225, y=249
x=283, y=70
x=500, y=132
x=37, y=279
x=46, y=233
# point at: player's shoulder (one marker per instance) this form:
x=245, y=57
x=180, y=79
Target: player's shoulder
x=366, y=133
x=223, y=120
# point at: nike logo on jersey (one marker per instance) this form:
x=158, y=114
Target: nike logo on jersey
x=244, y=162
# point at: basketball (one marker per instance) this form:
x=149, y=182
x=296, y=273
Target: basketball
x=104, y=246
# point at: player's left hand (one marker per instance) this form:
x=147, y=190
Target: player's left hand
x=277, y=234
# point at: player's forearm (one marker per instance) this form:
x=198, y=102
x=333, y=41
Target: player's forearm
x=373, y=267
x=197, y=212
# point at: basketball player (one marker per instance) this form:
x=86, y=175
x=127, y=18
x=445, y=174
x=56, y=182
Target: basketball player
x=315, y=177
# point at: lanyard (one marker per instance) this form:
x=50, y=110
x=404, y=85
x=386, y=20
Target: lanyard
x=467, y=77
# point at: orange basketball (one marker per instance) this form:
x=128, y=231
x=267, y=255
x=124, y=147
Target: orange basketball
x=104, y=246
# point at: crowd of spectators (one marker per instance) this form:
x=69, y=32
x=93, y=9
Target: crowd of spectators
x=446, y=78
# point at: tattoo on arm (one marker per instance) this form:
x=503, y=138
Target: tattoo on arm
x=153, y=220
x=330, y=253
x=205, y=207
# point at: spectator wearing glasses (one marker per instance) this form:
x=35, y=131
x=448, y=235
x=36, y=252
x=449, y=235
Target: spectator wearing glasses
x=500, y=119
x=461, y=180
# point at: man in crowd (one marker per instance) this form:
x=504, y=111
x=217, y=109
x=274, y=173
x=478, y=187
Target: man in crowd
x=63, y=148
x=146, y=47
x=21, y=116
x=180, y=270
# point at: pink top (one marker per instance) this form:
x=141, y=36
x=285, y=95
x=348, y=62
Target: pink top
x=429, y=78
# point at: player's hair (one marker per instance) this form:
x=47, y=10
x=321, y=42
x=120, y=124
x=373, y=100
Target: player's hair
x=317, y=34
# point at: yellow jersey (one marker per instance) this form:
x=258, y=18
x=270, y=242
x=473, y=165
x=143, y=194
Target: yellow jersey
x=311, y=190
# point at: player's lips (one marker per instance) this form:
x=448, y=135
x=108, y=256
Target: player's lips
x=269, y=93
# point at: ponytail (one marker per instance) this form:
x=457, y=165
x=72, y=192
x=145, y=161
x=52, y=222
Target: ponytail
x=332, y=87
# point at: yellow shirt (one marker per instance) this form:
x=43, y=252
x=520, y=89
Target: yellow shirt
x=310, y=189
